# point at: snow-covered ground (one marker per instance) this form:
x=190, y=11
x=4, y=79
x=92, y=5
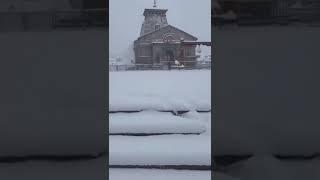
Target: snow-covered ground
x=160, y=90
x=142, y=174
x=152, y=92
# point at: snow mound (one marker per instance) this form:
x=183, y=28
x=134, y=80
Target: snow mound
x=152, y=123
x=202, y=117
x=160, y=150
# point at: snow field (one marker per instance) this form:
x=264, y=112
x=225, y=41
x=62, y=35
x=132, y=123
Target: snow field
x=160, y=90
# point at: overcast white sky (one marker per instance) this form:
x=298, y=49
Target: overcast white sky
x=126, y=17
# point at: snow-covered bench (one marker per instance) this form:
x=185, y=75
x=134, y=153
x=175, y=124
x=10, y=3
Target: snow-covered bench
x=152, y=123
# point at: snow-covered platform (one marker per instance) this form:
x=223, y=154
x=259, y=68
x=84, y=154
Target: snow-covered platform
x=153, y=123
x=161, y=150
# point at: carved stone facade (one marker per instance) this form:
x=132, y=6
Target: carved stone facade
x=160, y=43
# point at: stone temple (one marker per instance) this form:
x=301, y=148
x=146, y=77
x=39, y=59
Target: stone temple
x=161, y=43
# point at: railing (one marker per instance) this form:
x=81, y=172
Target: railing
x=143, y=67
x=52, y=20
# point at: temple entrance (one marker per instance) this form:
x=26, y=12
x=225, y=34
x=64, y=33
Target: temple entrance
x=169, y=55
x=157, y=58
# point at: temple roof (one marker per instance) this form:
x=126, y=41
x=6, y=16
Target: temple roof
x=168, y=27
x=154, y=11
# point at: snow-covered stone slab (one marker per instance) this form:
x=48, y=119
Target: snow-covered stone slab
x=148, y=174
x=202, y=117
x=160, y=150
x=160, y=90
x=151, y=122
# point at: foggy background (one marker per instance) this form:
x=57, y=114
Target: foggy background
x=126, y=18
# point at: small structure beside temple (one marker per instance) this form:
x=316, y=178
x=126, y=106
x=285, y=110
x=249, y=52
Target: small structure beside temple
x=163, y=44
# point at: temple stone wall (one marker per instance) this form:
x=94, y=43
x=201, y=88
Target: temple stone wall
x=151, y=22
x=153, y=18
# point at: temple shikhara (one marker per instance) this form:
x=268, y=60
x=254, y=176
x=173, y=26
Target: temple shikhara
x=162, y=43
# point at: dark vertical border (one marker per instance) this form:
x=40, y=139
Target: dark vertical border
x=107, y=93
x=60, y=163
x=213, y=105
